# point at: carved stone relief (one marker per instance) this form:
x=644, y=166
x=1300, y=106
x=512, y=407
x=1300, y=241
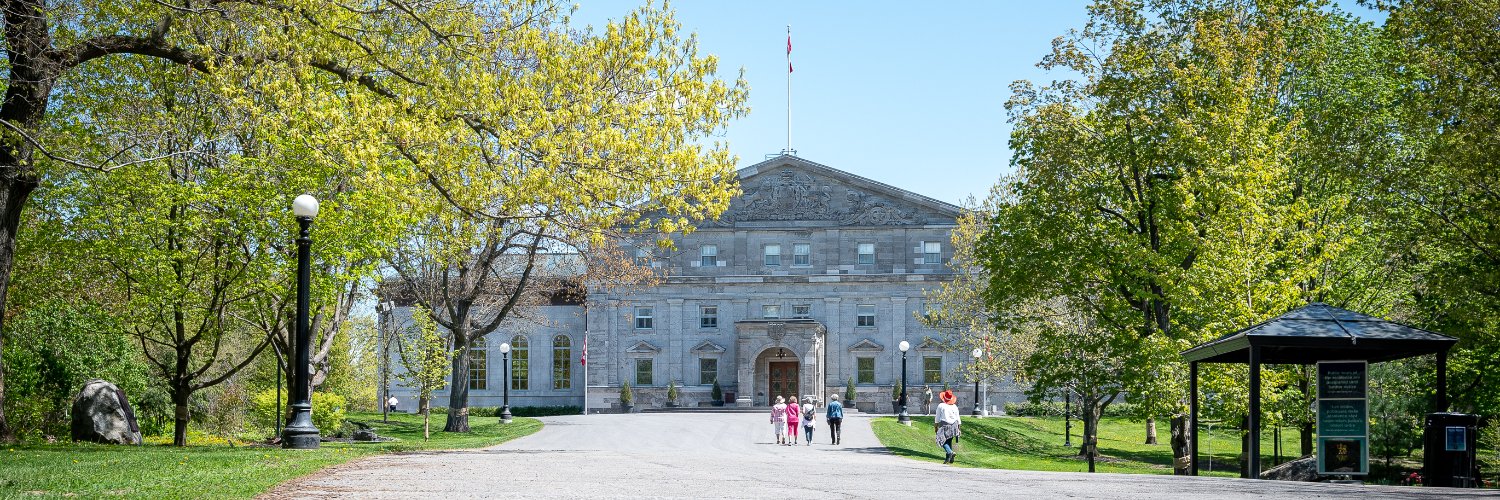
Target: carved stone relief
x=793, y=195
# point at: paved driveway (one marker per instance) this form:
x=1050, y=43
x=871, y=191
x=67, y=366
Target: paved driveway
x=675, y=455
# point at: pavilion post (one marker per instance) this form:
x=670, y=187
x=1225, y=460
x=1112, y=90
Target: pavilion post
x=1253, y=454
x=1193, y=418
x=1442, y=381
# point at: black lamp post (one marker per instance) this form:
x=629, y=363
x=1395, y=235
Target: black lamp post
x=977, y=352
x=903, y=418
x=505, y=361
x=1068, y=418
x=301, y=434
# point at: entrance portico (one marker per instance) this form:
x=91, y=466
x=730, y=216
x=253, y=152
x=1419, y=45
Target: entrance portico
x=775, y=356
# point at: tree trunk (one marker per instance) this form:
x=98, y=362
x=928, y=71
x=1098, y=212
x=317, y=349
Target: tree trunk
x=1307, y=438
x=1245, y=447
x=1090, y=445
x=14, y=190
x=1151, y=430
x=426, y=420
x=1182, y=439
x=180, y=394
x=458, y=387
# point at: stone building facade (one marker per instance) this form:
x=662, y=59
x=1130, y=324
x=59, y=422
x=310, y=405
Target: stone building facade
x=808, y=281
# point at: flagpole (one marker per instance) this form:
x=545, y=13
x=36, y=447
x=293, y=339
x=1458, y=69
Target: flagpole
x=585, y=362
x=788, y=90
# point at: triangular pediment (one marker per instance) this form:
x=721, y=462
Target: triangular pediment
x=643, y=347
x=866, y=345
x=708, y=347
x=931, y=344
x=787, y=189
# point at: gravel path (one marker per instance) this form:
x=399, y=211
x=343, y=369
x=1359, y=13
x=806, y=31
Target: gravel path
x=729, y=455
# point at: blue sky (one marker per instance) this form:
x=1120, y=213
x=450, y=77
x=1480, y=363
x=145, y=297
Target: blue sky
x=909, y=96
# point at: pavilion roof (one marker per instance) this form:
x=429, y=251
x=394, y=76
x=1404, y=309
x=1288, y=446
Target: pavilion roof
x=1320, y=332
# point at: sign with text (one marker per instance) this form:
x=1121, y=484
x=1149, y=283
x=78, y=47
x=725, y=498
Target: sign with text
x=1341, y=380
x=1343, y=418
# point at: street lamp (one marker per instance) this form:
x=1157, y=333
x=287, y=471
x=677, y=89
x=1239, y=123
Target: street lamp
x=903, y=418
x=301, y=434
x=505, y=361
x=977, y=352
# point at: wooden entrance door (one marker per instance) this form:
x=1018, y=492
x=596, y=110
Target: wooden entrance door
x=783, y=380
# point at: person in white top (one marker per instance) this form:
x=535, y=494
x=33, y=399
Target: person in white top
x=778, y=420
x=946, y=424
x=392, y=403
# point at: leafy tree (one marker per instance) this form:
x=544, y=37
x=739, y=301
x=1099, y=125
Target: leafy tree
x=424, y=352
x=537, y=201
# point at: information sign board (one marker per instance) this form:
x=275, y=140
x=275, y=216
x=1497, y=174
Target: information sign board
x=1343, y=418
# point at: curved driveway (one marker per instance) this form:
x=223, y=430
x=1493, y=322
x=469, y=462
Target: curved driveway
x=733, y=455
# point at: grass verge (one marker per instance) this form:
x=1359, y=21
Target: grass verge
x=1027, y=443
x=218, y=470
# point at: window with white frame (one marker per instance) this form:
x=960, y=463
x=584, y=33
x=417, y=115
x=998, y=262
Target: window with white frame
x=866, y=254
x=801, y=254
x=865, y=315
x=773, y=255
x=708, y=316
x=479, y=363
x=520, y=364
x=865, y=370
x=932, y=370
x=770, y=311
x=801, y=311
x=708, y=255
x=562, y=362
x=932, y=252
x=645, y=318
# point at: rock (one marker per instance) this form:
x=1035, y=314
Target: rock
x=102, y=414
x=1304, y=469
x=365, y=435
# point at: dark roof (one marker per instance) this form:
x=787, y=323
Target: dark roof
x=1320, y=332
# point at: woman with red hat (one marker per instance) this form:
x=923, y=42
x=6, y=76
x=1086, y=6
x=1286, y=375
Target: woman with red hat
x=945, y=424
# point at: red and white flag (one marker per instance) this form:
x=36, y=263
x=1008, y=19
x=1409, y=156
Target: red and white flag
x=789, y=50
x=584, y=360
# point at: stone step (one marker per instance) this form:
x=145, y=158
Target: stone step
x=723, y=409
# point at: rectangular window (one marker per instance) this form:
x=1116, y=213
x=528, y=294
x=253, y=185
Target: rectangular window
x=708, y=317
x=770, y=311
x=520, y=364
x=643, y=372
x=479, y=373
x=562, y=363
x=709, y=255
x=932, y=370
x=932, y=252
x=801, y=254
x=866, y=315
x=644, y=318
x=865, y=373
x=866, y=254
x=801, y=311
x=773, y=255
x=708, y=371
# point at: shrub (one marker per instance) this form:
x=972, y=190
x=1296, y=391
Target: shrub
x=717, y=393
x=327, y=410
x=672, y=391
x=1055, y=409
x=545, y=411
x=626, y=396
x=896, y=391
x=849, y=393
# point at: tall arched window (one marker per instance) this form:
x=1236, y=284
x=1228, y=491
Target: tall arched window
x=520, y=364
x=479, y=366
x=562, y=363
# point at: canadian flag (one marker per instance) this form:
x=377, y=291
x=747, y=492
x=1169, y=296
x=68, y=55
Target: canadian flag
x=584, y=360
x=788, y=52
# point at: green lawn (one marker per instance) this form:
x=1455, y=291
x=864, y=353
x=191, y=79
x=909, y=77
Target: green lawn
x=216, y=470
x=1026, y=443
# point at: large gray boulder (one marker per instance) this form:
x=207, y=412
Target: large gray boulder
x=102, y=414
x=1304, y=469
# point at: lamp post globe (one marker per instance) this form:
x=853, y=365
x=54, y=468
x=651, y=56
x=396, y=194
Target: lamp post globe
x=505, y=416
x=903, y=418
x=977, y=353
x=300, y=433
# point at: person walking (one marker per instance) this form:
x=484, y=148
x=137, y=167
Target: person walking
x=391, y=403
x=946, y=424
x=809, y=419
x=835, y=416
x=778, y=419
x=793, y=417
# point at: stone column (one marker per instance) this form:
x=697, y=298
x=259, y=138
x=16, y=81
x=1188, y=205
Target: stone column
x=834, y=342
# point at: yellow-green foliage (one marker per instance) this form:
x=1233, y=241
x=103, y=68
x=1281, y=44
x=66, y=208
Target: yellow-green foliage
x=328, y=410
